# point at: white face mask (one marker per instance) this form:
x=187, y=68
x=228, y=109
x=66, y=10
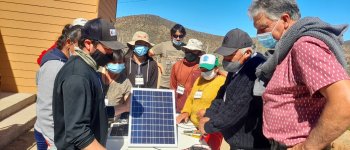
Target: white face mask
x=208, y=75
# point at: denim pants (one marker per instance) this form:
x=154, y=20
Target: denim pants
x=40, y=141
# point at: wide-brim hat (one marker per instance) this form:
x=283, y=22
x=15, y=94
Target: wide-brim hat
x=194, y=44
x=140, y=36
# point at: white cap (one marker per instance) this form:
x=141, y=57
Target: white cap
x=208, y=61
x=79, y=21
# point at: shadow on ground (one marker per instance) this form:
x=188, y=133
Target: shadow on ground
x=25, y=142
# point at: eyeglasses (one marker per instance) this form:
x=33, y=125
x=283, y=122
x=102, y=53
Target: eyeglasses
x=179, y=36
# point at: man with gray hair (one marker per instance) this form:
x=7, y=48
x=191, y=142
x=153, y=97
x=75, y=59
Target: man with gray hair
x=307, y=99
x=236, y=111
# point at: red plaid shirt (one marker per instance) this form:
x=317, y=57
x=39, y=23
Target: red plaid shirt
x=292, y=101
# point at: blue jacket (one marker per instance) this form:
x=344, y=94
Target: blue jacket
x=54, y=54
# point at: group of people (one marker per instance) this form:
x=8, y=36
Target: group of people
x=294, y=97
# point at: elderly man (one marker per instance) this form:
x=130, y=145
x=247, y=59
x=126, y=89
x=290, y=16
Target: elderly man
x=307, y=99
x=236, y=112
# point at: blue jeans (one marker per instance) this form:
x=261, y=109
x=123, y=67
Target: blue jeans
x=40, y=141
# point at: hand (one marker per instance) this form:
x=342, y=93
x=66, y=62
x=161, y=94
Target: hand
x=118, y=112
x=202, y=123
x=299, y=146
x=181, y=117
x=201, y=113
x=223, y=73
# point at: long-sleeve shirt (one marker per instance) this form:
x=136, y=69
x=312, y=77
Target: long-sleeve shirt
x=50, y=65
x=148, y=70
x=236, y=112
x=208, y=90
x=183, y=74
x=78, y=106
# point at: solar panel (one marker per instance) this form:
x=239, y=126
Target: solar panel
x=152, y=118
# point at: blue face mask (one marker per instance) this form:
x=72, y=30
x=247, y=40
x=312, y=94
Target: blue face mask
x=140, y=50
x=115, y=68
x=177, y=43
x=266, y=39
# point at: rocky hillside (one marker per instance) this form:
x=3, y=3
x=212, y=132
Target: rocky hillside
x=159, y=30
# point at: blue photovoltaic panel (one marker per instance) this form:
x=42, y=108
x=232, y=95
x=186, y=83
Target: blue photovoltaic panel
x=152, y=118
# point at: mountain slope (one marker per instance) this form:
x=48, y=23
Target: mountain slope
x=159, y=30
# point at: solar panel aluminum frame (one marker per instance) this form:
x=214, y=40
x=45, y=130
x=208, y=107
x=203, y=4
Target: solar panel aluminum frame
x=175, y=145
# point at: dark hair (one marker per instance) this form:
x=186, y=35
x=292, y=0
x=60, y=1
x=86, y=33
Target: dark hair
x=70, y=32
x=178, y=27
x=90, y=27
x=118, y=55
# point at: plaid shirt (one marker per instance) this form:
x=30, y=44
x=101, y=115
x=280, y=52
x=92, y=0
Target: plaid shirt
x=292, y=101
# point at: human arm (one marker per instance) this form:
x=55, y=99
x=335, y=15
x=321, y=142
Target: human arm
x=327, y=77
x=153, y=78
x=234, y=108
x=187, y=109
x=182, y=117
x=223, y=73
x=94, y=146
x=151, y=53
x=78, y=104
x=173, y=81
x=215, y=104
x=335, y=118
x=125, y=107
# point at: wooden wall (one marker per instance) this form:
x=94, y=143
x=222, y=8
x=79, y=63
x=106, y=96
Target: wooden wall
x=107, y=9
x=29, y=26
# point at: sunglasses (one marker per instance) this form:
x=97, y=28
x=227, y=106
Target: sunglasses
x=179, y=36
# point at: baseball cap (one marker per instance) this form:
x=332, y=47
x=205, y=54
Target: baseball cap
x=208, y=61
x=103, y=31
x=194, y=44
x=140, y=36
x=79, y=21
x=234, y=40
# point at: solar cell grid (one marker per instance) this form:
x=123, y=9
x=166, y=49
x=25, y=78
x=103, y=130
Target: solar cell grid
x=152, y=119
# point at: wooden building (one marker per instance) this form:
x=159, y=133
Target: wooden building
x=28, y=27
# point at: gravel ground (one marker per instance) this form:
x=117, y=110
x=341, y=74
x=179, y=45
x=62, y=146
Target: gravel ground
x=27, y=142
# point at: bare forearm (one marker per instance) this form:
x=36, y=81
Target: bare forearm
x=94, y=146
x=121, y=109
x=334, y=121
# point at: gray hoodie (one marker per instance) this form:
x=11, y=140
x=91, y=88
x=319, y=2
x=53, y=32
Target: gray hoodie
x=51, y=63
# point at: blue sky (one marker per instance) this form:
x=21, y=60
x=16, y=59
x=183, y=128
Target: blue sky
x=220, y=16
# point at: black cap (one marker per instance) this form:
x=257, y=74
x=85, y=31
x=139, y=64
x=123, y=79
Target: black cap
x=234, y=40
x=103, y=31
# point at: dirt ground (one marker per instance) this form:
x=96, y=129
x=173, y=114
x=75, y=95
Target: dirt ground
x=27, y=142
x=24, y=142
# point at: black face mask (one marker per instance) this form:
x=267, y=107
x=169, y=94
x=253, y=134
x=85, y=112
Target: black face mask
x=190, y=57
x=100, y=58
